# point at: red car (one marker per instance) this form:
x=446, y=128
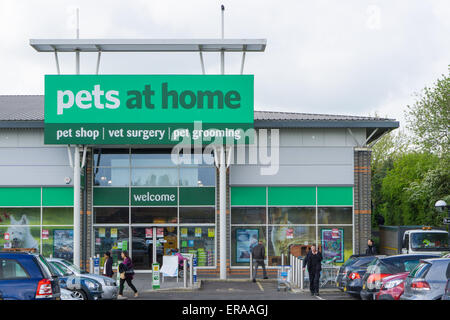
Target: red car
x=392, y=287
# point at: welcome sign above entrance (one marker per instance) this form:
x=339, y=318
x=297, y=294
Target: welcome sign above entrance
x=147, y=109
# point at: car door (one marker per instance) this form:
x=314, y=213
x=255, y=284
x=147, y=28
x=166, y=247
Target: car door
x=437, y=279
x=15, y=282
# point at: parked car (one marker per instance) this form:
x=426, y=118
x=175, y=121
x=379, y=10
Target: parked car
x=110, y=289
x=446, y=295
x=350, y=275
x=68, y=295
x=387, y=266
x=427, y=281
x=82, y=288
x=392, y=287
x=27, y=276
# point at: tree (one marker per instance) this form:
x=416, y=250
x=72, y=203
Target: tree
x=400, y=205
x=429, y=118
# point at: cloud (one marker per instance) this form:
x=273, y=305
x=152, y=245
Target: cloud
x=345, y=57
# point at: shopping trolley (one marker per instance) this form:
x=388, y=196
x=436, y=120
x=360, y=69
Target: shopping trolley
x=329, y=272
x=284, y=277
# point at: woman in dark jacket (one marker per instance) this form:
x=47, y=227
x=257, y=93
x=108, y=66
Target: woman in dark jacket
x=107, y=267
x=126, y=270
x=313, y=261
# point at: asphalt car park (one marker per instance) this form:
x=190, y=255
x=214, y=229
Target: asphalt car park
x=241, y=290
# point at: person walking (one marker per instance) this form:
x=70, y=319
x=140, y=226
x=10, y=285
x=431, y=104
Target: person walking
x=258, y=255
x=313, y=261
x=107, y=267
x=126, y=270
x=177, y=253
x=371, y=249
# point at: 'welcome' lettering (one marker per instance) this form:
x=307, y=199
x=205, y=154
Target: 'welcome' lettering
x=148, y=197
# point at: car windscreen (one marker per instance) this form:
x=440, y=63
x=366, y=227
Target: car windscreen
x=398, y=264
x=364, y=261
x=73, y=267
x=349, y=261
x=433, y=241
x=420, y=271
x=46, y=267
x=62, y=269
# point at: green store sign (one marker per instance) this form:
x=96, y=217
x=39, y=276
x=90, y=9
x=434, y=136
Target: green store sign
x=147, y=109
x=154, y=196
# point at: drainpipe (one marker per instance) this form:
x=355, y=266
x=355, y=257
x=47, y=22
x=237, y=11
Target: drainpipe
x=85, y=217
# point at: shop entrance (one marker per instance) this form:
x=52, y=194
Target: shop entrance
x=151, y=243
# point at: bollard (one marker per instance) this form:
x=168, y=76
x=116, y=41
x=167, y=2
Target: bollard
x=298, y=272
x=190, y=271
x=251, y=266
x=91, y=265
x=184, y=273
x=301, y=274
x=282, y=259
x=294, y=270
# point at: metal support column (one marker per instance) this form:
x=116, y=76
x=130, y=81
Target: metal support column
x=223, y=214
x=76, y=207
x=251, y=266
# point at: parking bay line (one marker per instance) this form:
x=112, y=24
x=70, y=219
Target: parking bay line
x=260, y=286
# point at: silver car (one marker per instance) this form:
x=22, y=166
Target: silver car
x=110, y=289
x=427, y=281
x=69, y=295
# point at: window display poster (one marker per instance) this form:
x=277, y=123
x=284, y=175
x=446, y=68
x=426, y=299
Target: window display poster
x=63, y=244
x=211, y=232
x=124, y=245
x=159, y=232
x=44, y=234
x=184, y=232
x=246, y=239
x=149, y=232
x=98, y=241
x=333, y=244
x=190, y=243
x=184, y=244
x=290, y=233
x=113, y=232
x=198, y=232
x=101, y=232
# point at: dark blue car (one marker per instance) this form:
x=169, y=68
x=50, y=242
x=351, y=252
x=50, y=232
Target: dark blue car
x=27, y=276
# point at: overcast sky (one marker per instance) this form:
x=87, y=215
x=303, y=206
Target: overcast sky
x=353, y=57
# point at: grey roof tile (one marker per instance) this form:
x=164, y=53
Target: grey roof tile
x=21, y=108
x=31, y=108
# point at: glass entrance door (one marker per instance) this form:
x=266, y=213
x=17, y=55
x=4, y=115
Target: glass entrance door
x=150, y=244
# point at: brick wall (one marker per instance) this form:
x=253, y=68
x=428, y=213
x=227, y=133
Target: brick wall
x=362, y=199
x=87, y=212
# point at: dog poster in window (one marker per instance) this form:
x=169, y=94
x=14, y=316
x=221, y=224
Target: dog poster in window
x=333, y=244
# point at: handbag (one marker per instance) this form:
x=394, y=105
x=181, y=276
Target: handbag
x=130, y=269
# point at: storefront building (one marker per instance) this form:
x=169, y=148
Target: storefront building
x=314, y=187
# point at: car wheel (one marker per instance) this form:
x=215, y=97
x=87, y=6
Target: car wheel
x=79, y=295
